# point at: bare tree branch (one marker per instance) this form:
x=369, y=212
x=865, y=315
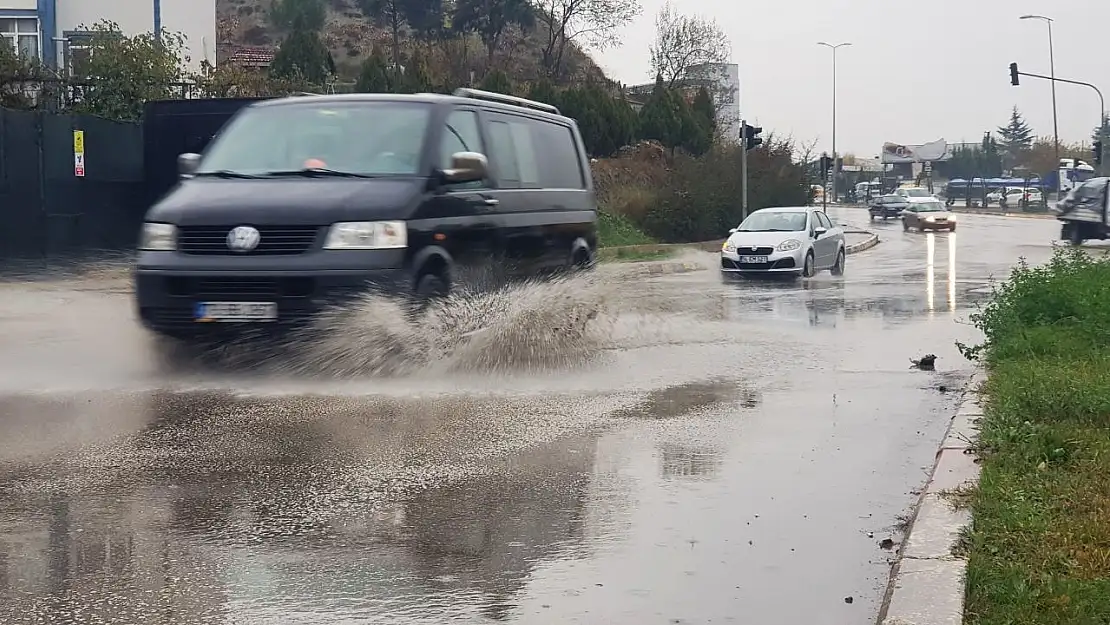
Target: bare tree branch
x=588, y=23
x=683, y=42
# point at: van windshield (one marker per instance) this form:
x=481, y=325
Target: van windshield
x=357, y=138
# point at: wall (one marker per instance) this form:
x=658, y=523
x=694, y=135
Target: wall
x=196, y=19
x=45, y=210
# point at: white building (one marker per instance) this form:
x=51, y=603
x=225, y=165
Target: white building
x=52, y=29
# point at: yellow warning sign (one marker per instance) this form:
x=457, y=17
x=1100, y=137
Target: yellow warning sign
x=78, y=141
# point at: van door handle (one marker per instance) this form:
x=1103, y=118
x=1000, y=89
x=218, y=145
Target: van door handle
x=489, y=201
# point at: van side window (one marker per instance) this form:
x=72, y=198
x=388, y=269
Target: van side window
x=824, y=219
x=501, y=140
x=559, y=165
x=515, y=136
x=460, y=134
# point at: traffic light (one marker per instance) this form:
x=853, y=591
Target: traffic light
x=826, y=165
x=1097, y=149
x=1014, y=75
x=751, y=137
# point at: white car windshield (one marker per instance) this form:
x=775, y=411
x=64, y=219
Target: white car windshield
x=917, y=193
x=356, y=138
x=774, y=221
x=928, y=207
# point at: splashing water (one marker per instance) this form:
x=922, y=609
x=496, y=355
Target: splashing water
x=557, y=323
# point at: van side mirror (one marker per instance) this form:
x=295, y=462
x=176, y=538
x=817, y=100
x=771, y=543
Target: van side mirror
x=466, y=167
x=187, y=164
x=733, y=230
x=819, y=231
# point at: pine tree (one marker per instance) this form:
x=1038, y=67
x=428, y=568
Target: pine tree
x=1103, y=132
x=1017, y=136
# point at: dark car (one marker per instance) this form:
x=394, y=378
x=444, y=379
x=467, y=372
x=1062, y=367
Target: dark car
x=887, y=207
x=300, y=203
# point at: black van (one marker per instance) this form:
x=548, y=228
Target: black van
x=303, y=202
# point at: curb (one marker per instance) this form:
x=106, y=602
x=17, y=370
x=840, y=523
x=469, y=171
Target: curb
x=664, y=269
x=927, y=582
x=963, y=211
x=871, y=241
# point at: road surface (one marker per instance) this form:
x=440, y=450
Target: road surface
x=702, y=453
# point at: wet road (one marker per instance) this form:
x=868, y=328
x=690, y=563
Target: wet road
x=711, y=453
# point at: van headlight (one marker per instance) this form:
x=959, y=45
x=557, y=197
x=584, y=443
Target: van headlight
x=158, y=237
x=789, y=245
x=367, y=235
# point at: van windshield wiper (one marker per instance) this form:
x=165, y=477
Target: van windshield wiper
x=224, y=173
x=316, y=172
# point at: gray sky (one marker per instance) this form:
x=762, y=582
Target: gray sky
x=912, y=75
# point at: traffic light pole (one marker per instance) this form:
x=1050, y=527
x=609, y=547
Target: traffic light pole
x=744, y=169
x=1014, y=73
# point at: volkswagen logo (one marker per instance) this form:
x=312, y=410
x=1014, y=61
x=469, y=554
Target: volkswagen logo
x=243, y=239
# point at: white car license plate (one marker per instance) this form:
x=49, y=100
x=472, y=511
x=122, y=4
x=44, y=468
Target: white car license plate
x=755, y=260
x=235, y=311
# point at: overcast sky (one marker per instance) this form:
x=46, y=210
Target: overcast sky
x=916, y=71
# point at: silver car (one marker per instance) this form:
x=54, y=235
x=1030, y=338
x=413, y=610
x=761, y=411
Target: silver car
x=798, y=241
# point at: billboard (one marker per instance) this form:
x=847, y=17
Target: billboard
x=932, y=151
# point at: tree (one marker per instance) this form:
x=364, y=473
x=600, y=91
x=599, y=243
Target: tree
x=390, y=13
x=666, y=118
x=593, y=23
x=1102, y=133
x=425, y=18
x=303, y=55
x=683, y=42
x=490, y=19
x=374, y=75
x=705, y=111
x=1017, y=137
x=20, y=77
x=121, y=73
x=298, y=15
x=497, y=81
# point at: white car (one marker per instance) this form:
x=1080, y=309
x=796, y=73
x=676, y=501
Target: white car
x=1020, y=198
x=911, y=192
x=797, y=241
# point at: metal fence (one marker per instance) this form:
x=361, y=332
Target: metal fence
x=46, y=208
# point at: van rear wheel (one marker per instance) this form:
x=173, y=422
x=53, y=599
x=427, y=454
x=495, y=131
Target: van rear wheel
x=432, y=285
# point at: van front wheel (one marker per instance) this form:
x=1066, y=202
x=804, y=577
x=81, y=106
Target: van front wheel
x=432, y=285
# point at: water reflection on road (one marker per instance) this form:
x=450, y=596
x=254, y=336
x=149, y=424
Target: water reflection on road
x=734, y=453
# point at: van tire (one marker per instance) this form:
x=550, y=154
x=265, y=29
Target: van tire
x=432, y=285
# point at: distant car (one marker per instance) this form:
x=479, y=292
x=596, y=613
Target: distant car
x=794, y=241
x=912, y=192
x=995, y=197
x=887, y=207
x=927, y=214
x=1021, y=198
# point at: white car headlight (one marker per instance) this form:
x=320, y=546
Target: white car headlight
x=930, y=218
x=367, y=235
x=951, y=216
x=728, y=246
x=158, y=237
x=789, y=245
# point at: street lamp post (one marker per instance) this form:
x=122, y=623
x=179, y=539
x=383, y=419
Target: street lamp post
x=1052, y=74
x=836, y=160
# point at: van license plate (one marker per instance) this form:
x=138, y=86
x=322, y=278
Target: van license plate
x=755, y=260
x=235, y=311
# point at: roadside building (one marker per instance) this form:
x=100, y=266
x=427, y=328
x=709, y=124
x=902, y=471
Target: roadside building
x=54, y=30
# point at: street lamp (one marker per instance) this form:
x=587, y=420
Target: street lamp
x=1052, y=74
x=836, y=161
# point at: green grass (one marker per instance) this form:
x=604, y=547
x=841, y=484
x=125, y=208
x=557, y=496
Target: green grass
x=1039, y=546
x=615, y=231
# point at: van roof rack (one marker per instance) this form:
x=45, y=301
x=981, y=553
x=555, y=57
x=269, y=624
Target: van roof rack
x=478, y=94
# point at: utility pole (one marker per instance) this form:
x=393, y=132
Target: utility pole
x=744, y=168
x=836, y=159
x=1052, y=77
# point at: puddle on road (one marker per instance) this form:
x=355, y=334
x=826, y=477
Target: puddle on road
x=684, y=399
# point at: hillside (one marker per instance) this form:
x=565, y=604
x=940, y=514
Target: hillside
x=352, y=37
